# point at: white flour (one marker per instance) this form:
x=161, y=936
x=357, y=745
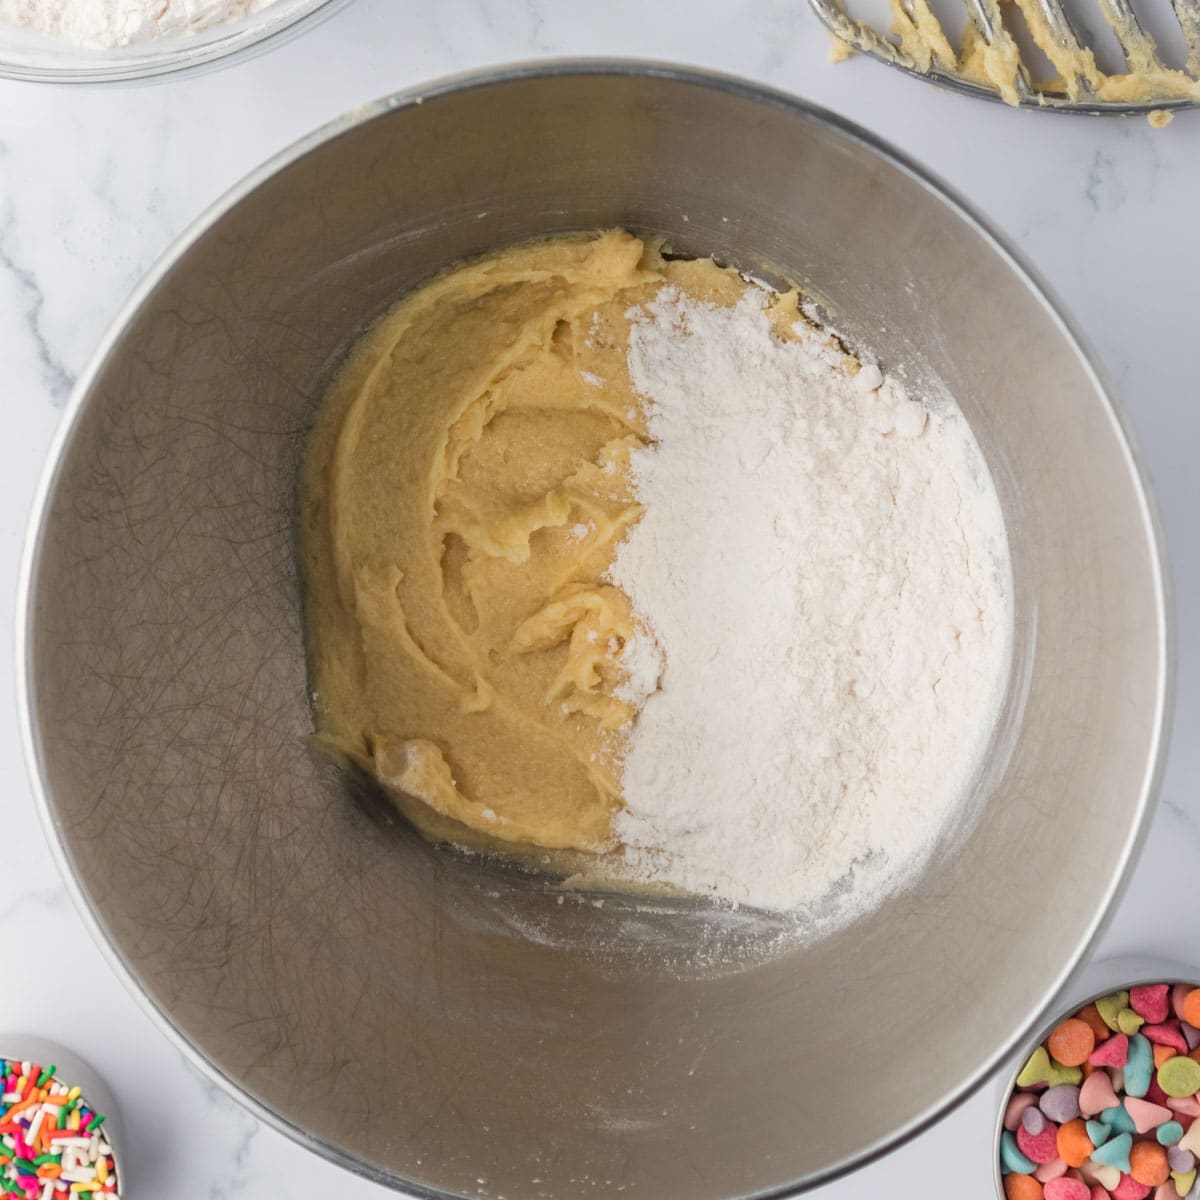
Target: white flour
x=113, y=23
x=823, y=562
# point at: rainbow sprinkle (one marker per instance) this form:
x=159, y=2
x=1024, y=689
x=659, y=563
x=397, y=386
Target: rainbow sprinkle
x=51, y=1147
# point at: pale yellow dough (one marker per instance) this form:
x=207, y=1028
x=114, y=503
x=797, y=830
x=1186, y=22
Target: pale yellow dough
x=466, y=487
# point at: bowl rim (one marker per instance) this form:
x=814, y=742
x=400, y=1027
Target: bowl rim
x=191, y=54
x=618, y=67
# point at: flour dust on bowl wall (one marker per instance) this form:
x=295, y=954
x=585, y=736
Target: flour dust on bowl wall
x=552, y=1040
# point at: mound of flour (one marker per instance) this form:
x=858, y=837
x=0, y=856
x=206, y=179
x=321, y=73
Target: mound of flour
x=111, y=23
x=823, y=564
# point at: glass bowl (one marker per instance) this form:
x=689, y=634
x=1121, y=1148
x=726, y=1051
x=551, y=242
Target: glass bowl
x=41, y=59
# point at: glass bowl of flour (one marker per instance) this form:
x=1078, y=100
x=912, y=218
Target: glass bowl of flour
x=100, y=41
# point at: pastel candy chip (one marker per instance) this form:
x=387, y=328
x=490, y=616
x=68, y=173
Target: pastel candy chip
x=1152, y=1002
x=1109, y=1006
x=1191, y=1035
x=1118, y=1119
x=1041, y=1147
x=1011, y=1158
x=1023, y=1187
x=1060, y=1104
x=1129, y=1189
x=1112, y=1053
x=1168, y=1133
x=1179, y=1077
x=1190, y=1008
x=1016, y=1187
x=1050, y=1170
x=1184, y=1181
x=1128, y=1021
x=1071, y=1042
x=1166, y=1035
x=1089, y=1014
x=1060, y=1075
x=1148, y=1164
x=1098, y=1132
x=1096, y=1094
x=1036, y=1070
x=1191, y=1139
x=1106, y=1177
x=1181, y=1161
x=1074, y=1145
x=1161, y=1054
x=1034, y=1121
x=1187, y=1106
x=1139, y=1070
x=1115, y=1152
x=1065, y=1188
x=1146, y=1116
x=1016, y=1106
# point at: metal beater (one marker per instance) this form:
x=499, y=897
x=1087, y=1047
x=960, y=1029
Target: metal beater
x=989, y=61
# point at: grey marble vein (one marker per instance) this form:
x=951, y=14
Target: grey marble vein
x=1183, y=815
x=55, y=376
x=21, y=903
x=1104, y=188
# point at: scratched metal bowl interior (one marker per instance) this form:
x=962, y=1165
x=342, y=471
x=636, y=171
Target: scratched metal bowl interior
x=448, y=1026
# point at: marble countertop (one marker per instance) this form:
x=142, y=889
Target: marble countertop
x=94, y=184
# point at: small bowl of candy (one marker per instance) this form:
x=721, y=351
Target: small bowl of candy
x=1107, y=1104
x=57, y=1137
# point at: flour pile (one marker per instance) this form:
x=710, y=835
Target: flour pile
x=823, y=564
x=113, y=23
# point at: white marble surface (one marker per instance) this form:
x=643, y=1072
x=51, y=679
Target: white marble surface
x=95, y=183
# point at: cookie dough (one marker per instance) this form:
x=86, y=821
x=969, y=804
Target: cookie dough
x=465, y=489
x=998, y=65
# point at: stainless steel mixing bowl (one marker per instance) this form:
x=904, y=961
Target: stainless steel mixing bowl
x=451, y=1027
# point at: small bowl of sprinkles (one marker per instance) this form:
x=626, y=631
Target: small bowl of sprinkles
x=56, y=1140
x=1106, y=1106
